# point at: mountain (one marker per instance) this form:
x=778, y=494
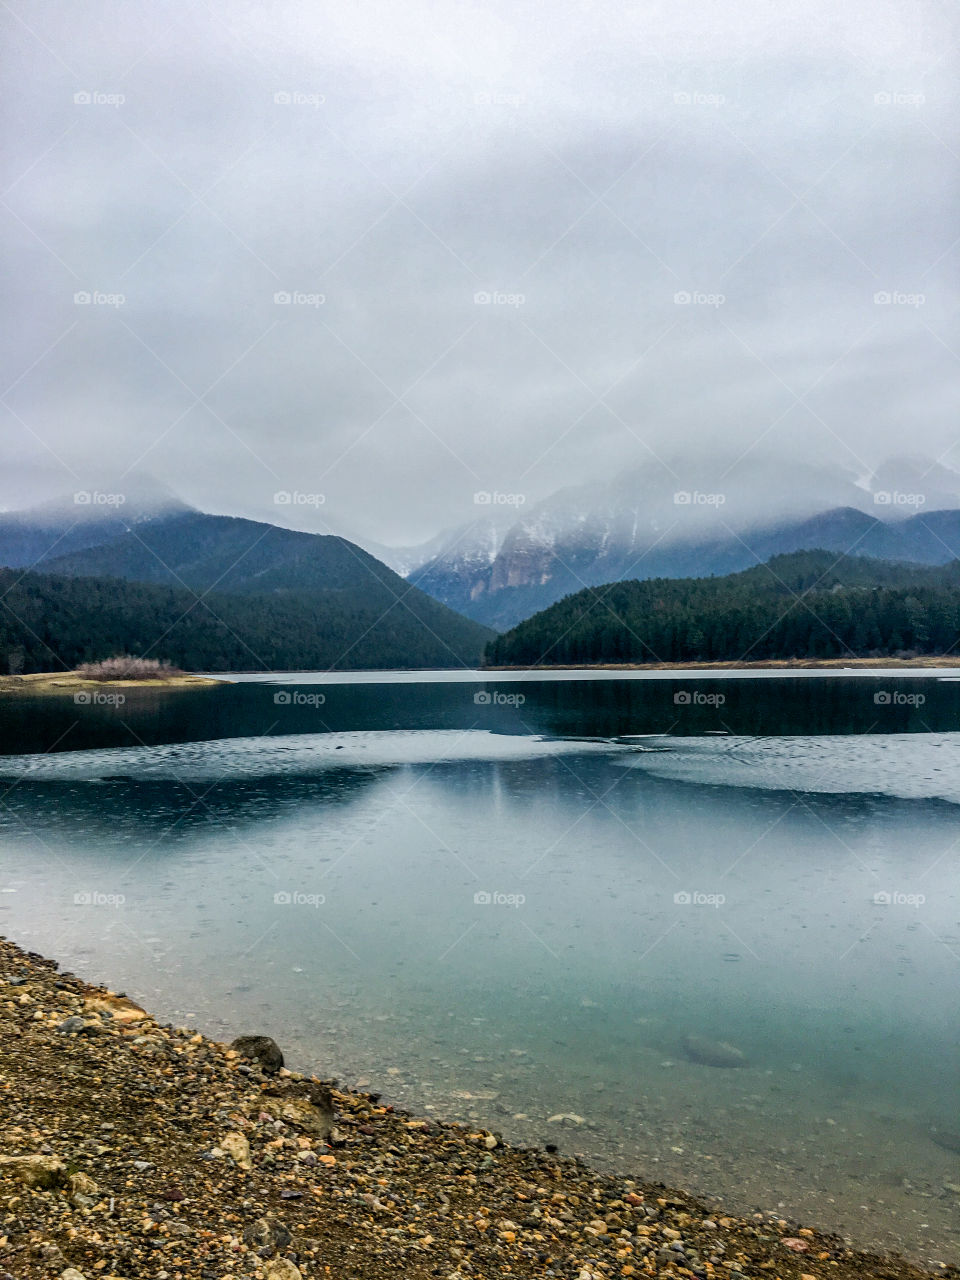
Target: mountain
x=810, y=604
x=84, y=518
x=692, y=520
x=347, y=609
x=51, y=622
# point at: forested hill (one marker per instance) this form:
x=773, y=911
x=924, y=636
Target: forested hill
x=49, y=622
x=810, y=604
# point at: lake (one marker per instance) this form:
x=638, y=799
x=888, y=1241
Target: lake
x=543, y=906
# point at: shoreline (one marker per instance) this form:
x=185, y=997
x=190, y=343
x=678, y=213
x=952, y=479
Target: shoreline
x=54, y=682
x=131, y=1149
x=933, y=663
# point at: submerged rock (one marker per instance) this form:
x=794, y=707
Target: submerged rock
x=260, y=1049
x=944, y=1138
x=713, y=1053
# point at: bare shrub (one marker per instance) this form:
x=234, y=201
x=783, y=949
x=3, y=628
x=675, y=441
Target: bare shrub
x=124, y=667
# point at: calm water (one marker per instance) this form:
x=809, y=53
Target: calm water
x=519, y=907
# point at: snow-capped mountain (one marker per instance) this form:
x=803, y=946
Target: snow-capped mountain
x=685, y=519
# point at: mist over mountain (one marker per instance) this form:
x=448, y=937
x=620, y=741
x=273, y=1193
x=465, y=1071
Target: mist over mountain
x=689, y=519
x=682, y=518
x=84, y=517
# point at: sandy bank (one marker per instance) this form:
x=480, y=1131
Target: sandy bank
x=58, y=682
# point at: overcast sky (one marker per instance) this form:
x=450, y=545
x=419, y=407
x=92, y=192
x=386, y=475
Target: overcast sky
x=391, y=166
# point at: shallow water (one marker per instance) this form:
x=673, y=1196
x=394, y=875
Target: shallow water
x=510, y=927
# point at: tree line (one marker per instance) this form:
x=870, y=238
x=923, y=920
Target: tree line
x=808, y=604
x=53, y=623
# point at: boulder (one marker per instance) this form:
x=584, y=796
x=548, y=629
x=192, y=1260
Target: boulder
x=260, y=1049
x=713, y=1053
x=38, y=1172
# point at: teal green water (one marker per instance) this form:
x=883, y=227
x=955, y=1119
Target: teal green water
x=512, y=927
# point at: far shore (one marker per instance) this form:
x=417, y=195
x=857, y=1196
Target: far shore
x=768, y=664
x=70, y=682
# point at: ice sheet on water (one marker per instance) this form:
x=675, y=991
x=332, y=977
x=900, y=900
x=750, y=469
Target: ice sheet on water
x=290, y=754
x=905, y=765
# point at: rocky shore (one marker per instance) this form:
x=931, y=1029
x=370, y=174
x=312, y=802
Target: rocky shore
x=135, y=1151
